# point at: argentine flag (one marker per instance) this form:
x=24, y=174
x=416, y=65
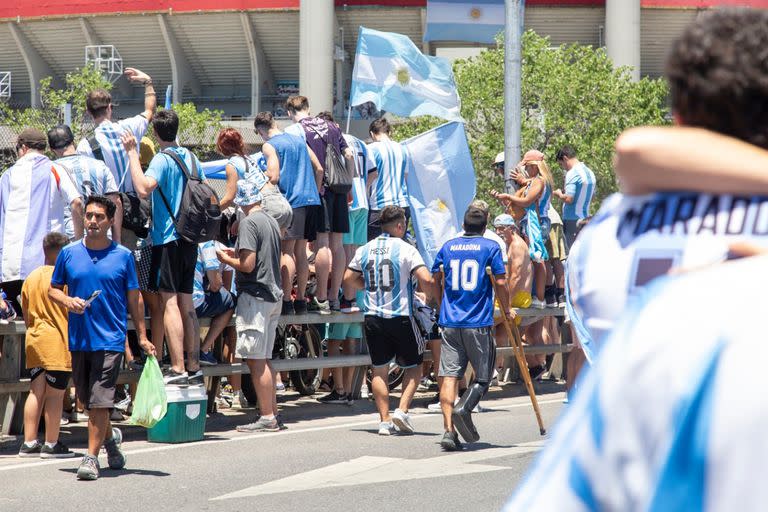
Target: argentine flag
x=392, y=73
x=441, y=184
x=477, y=21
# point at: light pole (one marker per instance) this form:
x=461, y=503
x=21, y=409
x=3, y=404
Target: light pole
x=512, y=78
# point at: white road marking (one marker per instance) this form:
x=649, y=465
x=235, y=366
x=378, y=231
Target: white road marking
x=266, y=435
x=370, y=470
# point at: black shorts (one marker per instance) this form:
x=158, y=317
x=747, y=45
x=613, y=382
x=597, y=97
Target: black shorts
x=304, y=223
x=173, y=267
x=374, y=226
x=95, y=377
x=55, y=379
x=393, y=338
x=334, y=214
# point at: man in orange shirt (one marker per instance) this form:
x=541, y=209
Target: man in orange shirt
x=48, y=359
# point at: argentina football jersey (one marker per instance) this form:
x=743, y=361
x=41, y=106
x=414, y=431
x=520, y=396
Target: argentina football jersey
x=633, y=240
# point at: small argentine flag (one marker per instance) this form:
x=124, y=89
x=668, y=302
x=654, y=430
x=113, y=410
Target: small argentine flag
x=391, y=72
x=477, y=21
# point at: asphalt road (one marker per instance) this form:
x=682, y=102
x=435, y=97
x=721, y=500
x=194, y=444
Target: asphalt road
x=330, y=458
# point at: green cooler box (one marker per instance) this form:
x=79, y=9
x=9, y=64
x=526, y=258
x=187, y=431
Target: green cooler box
x=185, y=419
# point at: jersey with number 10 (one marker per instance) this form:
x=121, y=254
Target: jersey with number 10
x=468, y=296
x=387, y=264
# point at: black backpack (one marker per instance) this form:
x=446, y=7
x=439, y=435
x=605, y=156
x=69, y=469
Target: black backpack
x=136, y=211
x=339, y=172
x=199, y=215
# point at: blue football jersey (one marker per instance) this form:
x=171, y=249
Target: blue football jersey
x=468, y=295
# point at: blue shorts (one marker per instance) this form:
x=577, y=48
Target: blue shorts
x=340, y=332
x=358, y=228
x=215, y=304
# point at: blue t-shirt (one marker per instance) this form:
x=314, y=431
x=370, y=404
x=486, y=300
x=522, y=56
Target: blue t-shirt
x=468, y=295
x=103, y=325
x=297, y=176
x=171, y=180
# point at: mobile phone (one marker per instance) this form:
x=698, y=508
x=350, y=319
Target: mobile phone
x=92, y=297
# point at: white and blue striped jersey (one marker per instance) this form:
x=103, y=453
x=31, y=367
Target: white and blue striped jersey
x=391, y=160
x=634, y=239
x=108, y=136
x=580, y=183
x=668, y=419
x=544, y=203
x=387, y=264
x=364, y=165
x=90, y=176
x=206, y=260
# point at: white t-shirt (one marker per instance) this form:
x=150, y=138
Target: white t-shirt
x=634, y=239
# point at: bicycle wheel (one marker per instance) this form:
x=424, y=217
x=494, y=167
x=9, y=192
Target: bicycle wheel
x=304, y=341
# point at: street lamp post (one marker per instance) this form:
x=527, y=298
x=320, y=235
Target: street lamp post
x=512, y=79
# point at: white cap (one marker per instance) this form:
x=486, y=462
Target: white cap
x=499, y=158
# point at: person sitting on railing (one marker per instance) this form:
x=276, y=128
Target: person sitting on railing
x=47, y=357
x=210, y=298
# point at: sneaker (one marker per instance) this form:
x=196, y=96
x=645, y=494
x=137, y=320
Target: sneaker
x=537, y=304
x=434, y=407
x=349, y=306
x=7, y=314
x=173, y=378
x=322, y=307
x=64, y=419
x=495, y=379
x=260, y=425
x=386, y=428
x=116, y=415
x=335, y=306
x=450, y=442
x=30, y=451
x=124, y=403
x=300, y=306
x=241, y=401
x=350, y=400
x=402, y=421
x=280, y=424
x=78, y=417
x=89, y=468
x=287, y=308
x=196, y=378
x=424, y=384
x=207, y=359
x=334, y=397
x=57, y=451
x=550, y=299
x=561, y=300
x=115, y=456
x=537, y=371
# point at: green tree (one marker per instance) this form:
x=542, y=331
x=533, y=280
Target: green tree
x=571, y=94
x=197, y=129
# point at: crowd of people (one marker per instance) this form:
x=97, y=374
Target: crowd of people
x=100, y=231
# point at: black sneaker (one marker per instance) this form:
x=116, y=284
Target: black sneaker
x=30, y=451
x=334, y=397
x=58, y=451
x=349, y=306
x=550, y=299
x=537, y=371
x=288, y=308
x=561, y=300
x=195, y=378
x=300, y=306
x=450, y=442
x=175, y=379
x=335, y=306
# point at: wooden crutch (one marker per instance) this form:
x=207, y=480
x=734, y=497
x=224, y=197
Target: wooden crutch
x=517, y=347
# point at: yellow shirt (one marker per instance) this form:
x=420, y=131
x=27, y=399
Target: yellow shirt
x=46, y=340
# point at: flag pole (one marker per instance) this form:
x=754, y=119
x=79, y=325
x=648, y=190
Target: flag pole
x=349, y=116
x=512, y=83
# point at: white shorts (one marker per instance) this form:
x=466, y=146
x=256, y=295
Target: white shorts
x=256, y=323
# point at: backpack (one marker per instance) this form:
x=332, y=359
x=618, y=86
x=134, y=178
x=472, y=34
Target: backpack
x=136, y=211
x=199, y=217
x=339, y=172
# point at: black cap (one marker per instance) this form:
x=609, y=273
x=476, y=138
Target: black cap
x=60, y=137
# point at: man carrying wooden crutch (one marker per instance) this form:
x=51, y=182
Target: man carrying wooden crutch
x=466, y=319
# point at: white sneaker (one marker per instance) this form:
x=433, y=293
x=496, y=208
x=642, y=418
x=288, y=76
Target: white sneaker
x=402, y=421
x=537, y=304
x=435, y=407
x=386, y=428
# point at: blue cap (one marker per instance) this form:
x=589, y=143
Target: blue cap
x=503, y=220
x=247, y=193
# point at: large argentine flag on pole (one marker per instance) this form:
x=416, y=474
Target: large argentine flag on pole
x=476, y=21
x=441, y=184
x=391, y=72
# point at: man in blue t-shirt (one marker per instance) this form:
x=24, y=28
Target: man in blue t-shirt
x=294, y=168
x=172, y=271
x=466, y=318
x=100, y=278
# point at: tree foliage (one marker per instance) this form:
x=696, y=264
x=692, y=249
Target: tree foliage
x=196, y=128
x=571, y=94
